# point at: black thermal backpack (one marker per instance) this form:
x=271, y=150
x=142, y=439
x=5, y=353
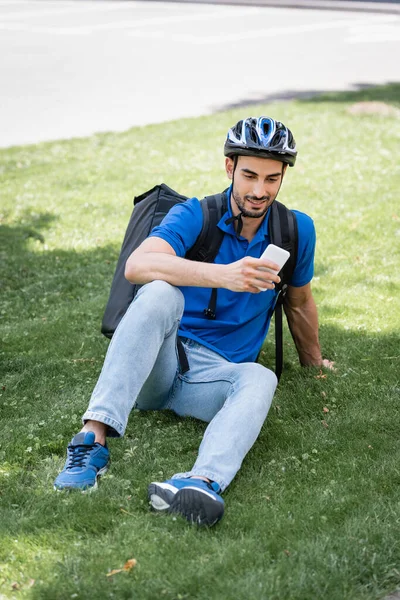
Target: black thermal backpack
x=149, y=210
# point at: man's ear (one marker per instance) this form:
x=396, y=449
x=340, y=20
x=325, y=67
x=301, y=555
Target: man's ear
x=229, y=167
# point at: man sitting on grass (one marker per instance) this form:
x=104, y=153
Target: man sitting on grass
x=224, y=386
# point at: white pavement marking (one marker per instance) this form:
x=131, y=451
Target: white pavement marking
x=194, y=16
x=49, y=30
x=127, y=24
x=374, y=33
x=71, y=8
x=264, y=33
x=13, y=2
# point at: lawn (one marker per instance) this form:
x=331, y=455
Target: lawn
x=314, y=512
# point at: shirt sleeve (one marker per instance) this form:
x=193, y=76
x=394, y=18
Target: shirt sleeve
x=181, y=226
x=304, y=270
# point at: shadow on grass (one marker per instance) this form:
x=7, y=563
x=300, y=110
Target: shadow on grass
x=363, y=92
x=31, y=273
x=389, y=93
x=15, y=237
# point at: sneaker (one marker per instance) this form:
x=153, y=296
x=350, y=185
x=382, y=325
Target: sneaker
x=196, y=500
x=86, y=460
x=162, y=494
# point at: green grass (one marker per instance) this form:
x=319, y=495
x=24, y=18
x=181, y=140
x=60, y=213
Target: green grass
x=314, y=511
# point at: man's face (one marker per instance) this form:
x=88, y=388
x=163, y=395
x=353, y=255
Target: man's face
x=256, y=183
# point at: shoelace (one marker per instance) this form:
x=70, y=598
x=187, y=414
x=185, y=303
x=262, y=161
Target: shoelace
x=78, y=455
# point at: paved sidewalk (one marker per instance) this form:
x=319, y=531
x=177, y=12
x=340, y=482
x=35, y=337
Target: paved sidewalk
x=74, y=68
x=377, y=6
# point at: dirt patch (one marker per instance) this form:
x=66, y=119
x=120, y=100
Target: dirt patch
x=374, y=108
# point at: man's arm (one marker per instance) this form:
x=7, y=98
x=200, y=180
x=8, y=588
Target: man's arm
x=302, y=316
x=156, y=259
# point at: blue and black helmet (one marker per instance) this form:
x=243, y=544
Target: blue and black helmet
x=263, y=137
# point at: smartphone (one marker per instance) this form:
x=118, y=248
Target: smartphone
x=276, y=255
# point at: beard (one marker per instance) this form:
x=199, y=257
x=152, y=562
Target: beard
x=252, y=214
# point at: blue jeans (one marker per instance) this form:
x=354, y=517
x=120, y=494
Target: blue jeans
x=141, y=370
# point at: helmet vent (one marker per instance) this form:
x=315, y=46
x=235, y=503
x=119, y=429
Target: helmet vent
x=277, y=138
x=237, y=130
x=266, y=128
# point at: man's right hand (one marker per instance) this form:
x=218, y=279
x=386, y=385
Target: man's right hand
x=245, y=275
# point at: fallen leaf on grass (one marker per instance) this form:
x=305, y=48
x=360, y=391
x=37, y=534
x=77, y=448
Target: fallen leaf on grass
x=325, y=409
x=126, y=512
x=287, y=552
x=83, y=360
x=130, y=564
x=113, y=572
x=127, y=567
x=324, y=423
x=321, y=375
x=15, y=585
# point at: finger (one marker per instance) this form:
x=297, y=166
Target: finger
x=266, y=277
x=264, y=287
x=269, y=264
x=328, y=364
x=254, y=289
x=270, y=271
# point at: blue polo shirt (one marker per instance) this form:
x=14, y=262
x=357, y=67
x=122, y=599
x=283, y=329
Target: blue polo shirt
x=242, y=318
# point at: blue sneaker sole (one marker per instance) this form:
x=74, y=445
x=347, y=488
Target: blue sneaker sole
x=197, y=507
x=88, y=488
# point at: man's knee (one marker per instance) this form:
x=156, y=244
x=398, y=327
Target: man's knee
x=160, y=295
x=258, y=381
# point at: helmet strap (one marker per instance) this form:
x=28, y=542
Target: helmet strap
x=239, y=220
x=238, y=217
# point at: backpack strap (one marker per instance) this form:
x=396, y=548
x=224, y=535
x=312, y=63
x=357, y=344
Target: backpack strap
x=282, y=228
x=209, y=240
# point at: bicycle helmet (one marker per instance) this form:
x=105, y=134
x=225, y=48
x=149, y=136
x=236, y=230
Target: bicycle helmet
x=262, y=137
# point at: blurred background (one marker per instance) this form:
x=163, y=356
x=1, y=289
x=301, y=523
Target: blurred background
x=73, y=68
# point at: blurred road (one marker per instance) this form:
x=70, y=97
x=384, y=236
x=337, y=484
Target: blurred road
x=75, y=68
x=377, y=6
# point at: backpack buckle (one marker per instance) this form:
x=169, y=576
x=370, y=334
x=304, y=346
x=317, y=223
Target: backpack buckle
x=202, y=255
x=281, y=294
x=209, y=314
